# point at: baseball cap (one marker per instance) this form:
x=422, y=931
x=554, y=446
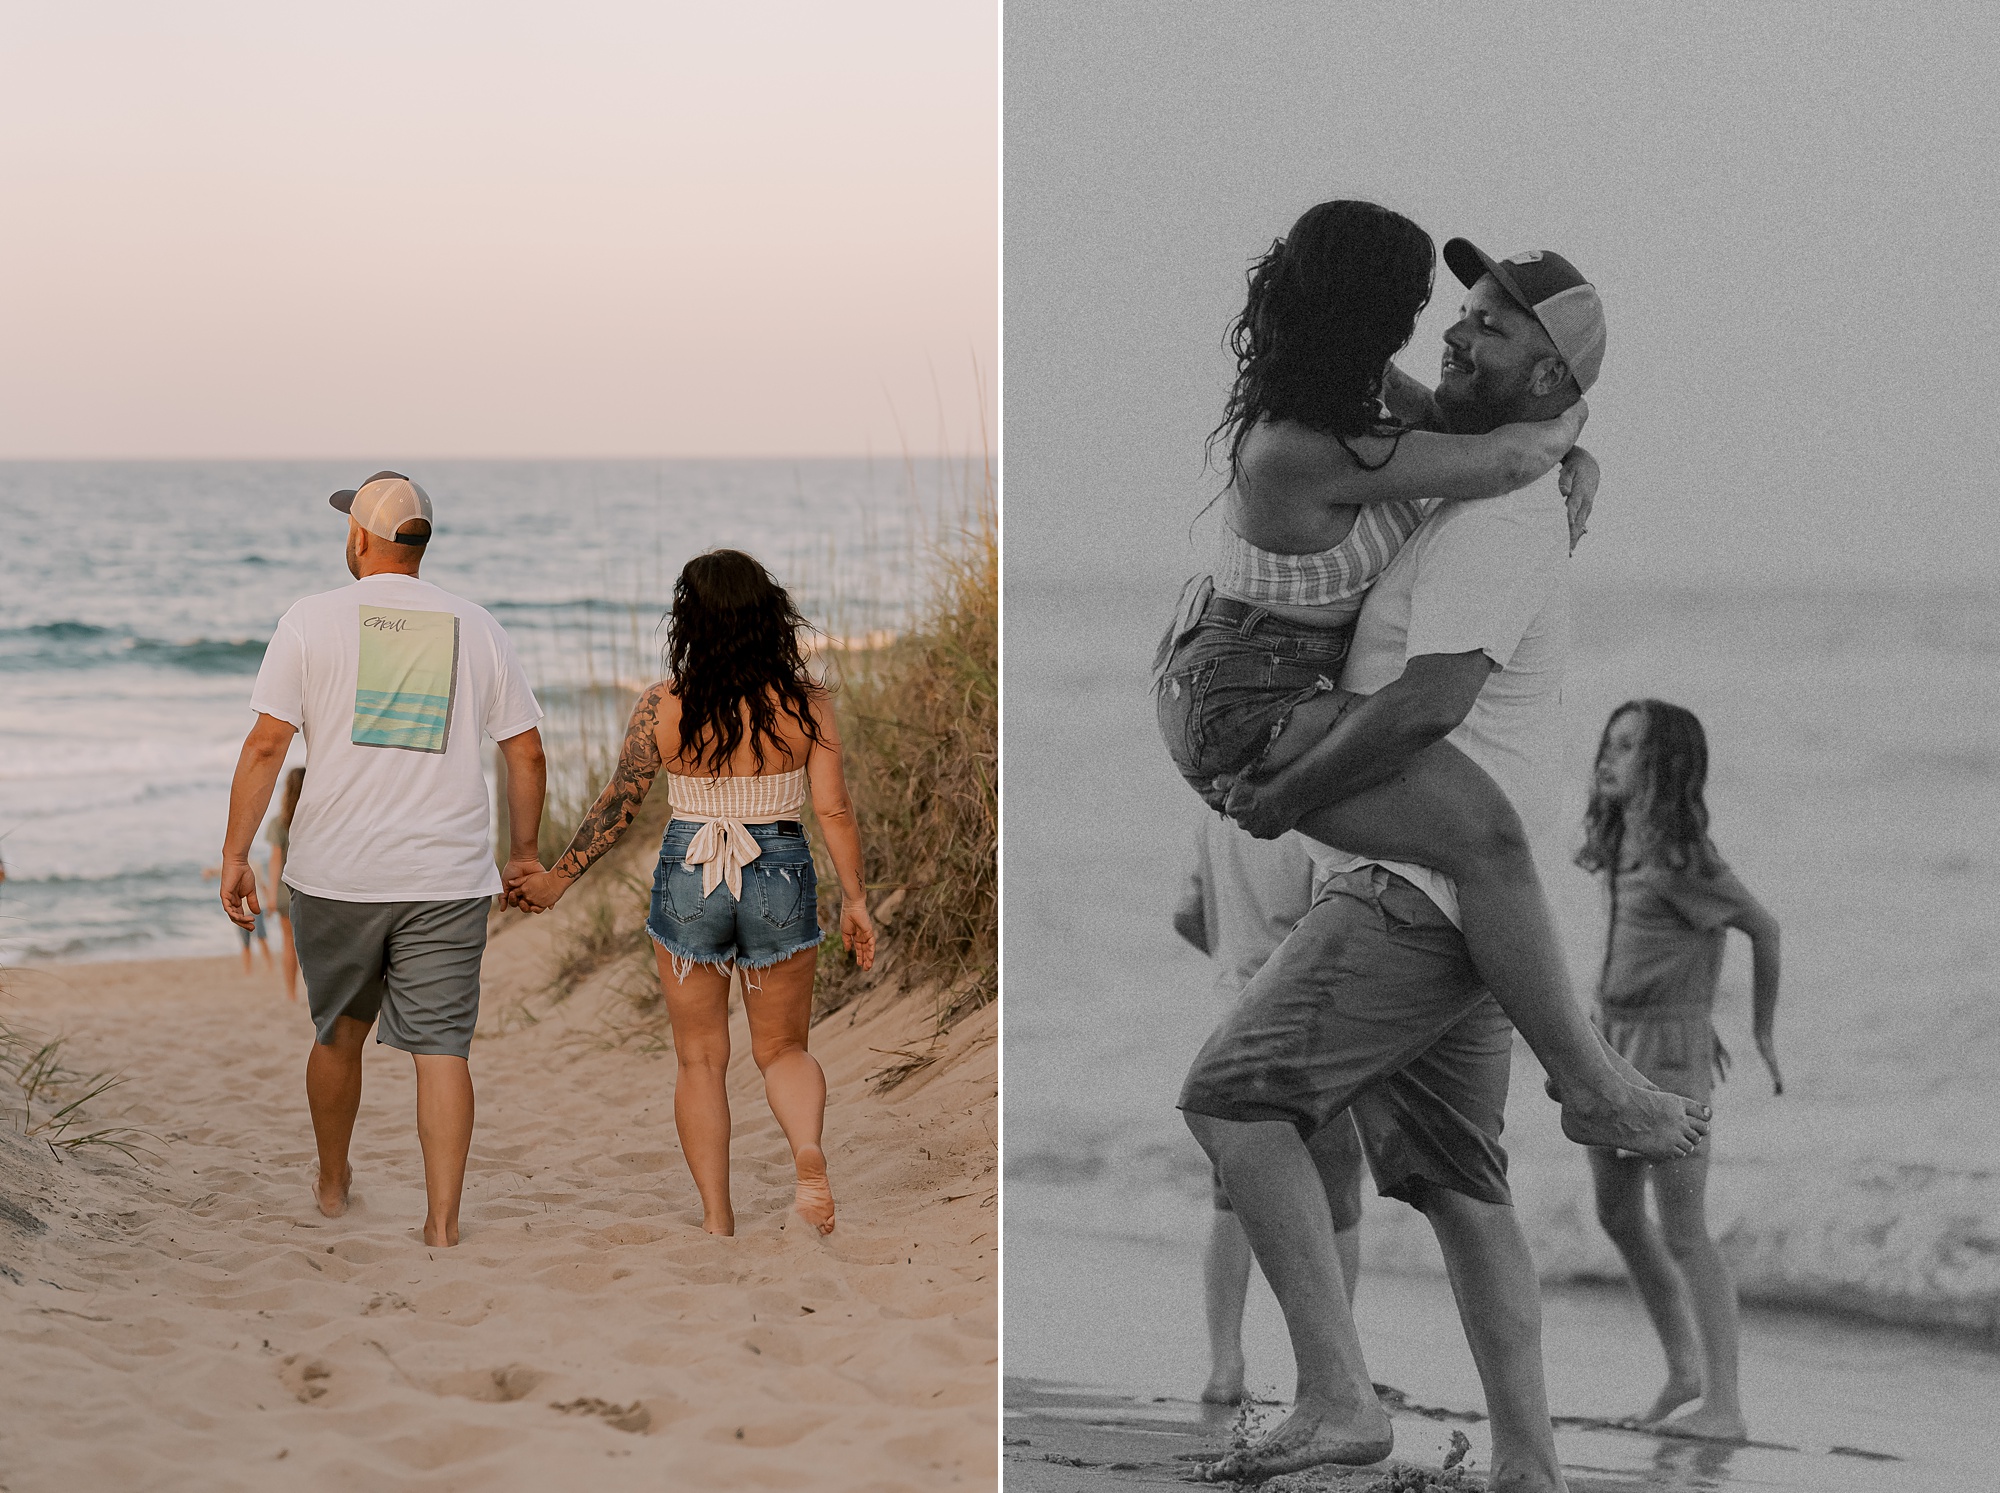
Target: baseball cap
x=384, y=503
x=1550, y=289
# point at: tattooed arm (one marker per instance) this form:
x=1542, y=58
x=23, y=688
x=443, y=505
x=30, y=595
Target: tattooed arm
x=638, y=765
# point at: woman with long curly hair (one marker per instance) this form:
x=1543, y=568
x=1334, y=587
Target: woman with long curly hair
x=1325, y=485
x=744, y=733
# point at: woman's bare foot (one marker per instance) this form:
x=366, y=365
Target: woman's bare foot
x=1680, y=1390
x=723, y=1223
x=1705, y=1424
x=1313, y=1435
x=331, y=1195
x=1648, y=1122
x=1225, y=1383
x=441, y=1235
x=812, y=1200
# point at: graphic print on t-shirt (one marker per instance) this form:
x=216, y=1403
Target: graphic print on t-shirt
x=408, y=679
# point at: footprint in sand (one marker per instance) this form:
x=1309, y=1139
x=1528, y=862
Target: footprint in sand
x=304, y=1377
x=632, y=1417
x=500, y=1386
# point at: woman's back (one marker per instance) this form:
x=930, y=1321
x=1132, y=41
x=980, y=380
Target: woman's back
x=784, y=747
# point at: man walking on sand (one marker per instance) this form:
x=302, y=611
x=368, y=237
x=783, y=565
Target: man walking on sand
x=394, y=682
x=1372, y=999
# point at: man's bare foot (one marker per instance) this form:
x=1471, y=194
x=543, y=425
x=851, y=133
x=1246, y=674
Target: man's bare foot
x=1705, y=1424
x=1311, y=1436
x=441, y=1235
x=1648, y=1122
x=1680, y=1390
x=723, y=1224
x=812, y=1199
x=332, y=1196
x=1225, y=1383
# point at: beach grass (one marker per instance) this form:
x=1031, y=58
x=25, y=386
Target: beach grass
x=919, y=717
x=54, y=1097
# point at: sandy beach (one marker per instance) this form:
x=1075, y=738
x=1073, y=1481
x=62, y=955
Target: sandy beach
x=190, y=1321
x=1105, y=1353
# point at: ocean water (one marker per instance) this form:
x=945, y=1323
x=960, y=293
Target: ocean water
x=1855, y=786
x=136, y=599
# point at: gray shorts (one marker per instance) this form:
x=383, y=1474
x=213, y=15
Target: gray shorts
x=414, y=964
x=1371, y=1003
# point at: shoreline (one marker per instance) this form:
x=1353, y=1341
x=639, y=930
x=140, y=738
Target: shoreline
x=1114, y=1328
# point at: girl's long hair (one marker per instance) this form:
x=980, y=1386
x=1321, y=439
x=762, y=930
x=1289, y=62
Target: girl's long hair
x=732, y=651
x=1667, y=800
x=295, y=784
x=1329, y=305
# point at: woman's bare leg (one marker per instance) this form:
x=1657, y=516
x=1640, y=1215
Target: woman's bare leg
x=1443, y=811
x=698, y=1008
x=778, y=1002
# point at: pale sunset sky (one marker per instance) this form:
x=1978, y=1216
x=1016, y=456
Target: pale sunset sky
x=240, y=229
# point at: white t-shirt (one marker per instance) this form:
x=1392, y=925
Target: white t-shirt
x=393, y=682
x=1491, y=575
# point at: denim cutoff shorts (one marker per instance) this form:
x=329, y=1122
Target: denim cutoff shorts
x=1227, y=677
x=778, y=916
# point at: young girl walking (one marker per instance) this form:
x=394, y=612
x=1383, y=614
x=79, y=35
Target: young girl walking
x=1672, y=901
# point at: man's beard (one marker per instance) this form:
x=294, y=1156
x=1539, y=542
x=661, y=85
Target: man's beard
x=1478, y=406
x=353, y=559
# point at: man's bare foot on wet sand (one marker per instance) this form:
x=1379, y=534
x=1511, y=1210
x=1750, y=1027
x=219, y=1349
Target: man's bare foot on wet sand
x=812, y=1199
x=1648, y=1122
x=331, y=1195
x=1704, y=1424
x=1313, y=1435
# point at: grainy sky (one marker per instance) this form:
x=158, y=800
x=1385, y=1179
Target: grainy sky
x=494, y=228
x=1791, y=211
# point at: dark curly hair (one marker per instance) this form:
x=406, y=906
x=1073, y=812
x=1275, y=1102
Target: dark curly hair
x=1329, y=305
x=732, y=650
x=1673, y=771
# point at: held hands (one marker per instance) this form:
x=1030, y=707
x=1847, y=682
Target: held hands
x=529, y=887
x=1261, y=812
x=239, y=894
x=857, y=932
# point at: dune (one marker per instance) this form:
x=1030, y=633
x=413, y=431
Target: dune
x=189, y=1320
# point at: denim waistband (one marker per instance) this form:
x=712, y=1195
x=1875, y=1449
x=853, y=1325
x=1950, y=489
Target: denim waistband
x=1247, y=617
x=775, y=829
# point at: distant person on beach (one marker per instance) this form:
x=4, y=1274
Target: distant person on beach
x=744, y=732
x=388, y=852
x=1241, y=897
x=255, y=930
x=1374, y=1000
x=279, y=836
x=1671, y=901
x=1326, y=486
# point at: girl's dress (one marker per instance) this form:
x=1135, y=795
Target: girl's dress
x=1662, y=962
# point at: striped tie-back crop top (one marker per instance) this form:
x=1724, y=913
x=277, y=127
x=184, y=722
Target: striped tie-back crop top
x=1325, y=577
x=722, y=847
